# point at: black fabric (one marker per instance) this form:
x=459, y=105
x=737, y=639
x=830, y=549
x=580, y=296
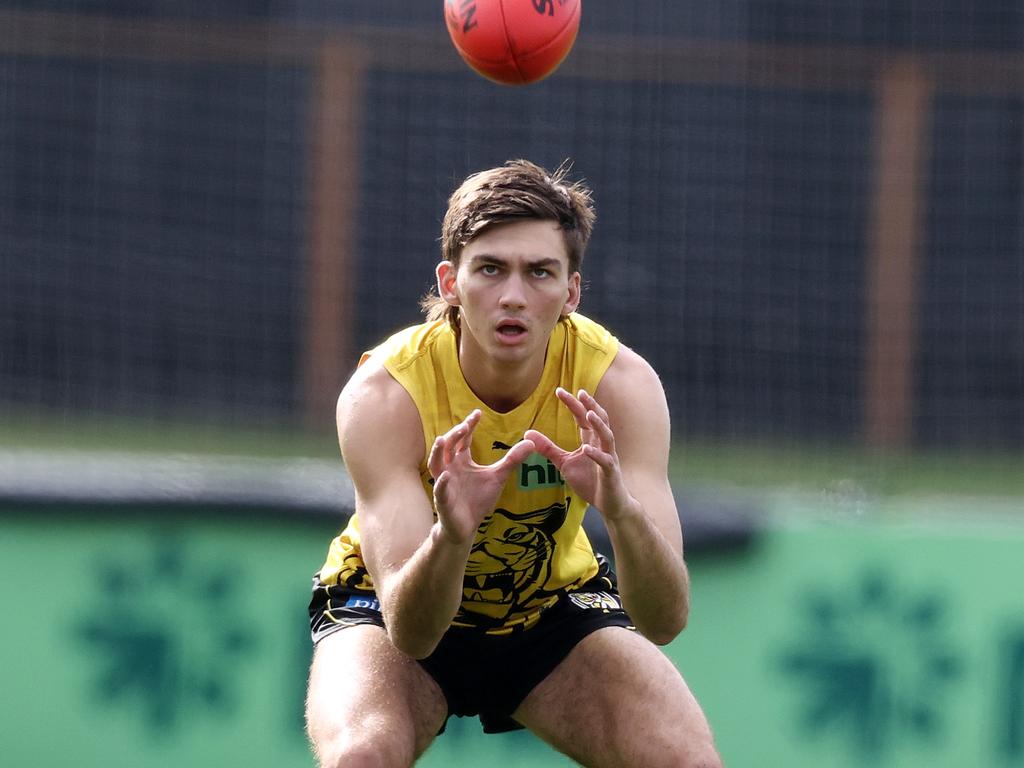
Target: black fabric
x=488, y=675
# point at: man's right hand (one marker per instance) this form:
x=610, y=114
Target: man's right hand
x=465, y=492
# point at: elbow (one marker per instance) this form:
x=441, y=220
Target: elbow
x=662, y=639
x=413, y=634
x=667, y=629
x=413, y=645
x=683, y=619
x=410, y=640
x=407, y=635
x=417, y=651
x=664, y=635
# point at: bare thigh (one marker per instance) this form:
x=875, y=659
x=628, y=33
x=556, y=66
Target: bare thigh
x=369, y=704
x=618, y=701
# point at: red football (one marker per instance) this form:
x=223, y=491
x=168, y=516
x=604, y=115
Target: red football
x=513, y=42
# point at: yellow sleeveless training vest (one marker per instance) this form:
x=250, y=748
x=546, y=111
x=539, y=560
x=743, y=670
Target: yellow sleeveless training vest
x=533, y=544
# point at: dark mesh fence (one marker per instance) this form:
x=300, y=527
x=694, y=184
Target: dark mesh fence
x=151, y=237
x=162, y=187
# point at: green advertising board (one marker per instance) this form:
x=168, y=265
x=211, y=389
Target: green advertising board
x=864, y=645
x=145, y=641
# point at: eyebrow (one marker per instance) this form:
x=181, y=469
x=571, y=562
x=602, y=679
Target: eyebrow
x=545, y=262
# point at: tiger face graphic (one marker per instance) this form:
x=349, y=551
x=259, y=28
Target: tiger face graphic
x=510, y=563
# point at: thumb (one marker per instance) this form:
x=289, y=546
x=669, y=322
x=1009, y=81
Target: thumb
x=545, y=446
x=518, y=453
x=441, y=488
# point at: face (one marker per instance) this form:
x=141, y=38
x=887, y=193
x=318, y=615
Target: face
x=512, y=286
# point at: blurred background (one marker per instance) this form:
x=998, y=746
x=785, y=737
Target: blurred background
x=810, y=220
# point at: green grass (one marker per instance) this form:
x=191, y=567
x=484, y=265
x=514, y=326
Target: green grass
x=139, y=436
x=753, y=465
x=875, y=473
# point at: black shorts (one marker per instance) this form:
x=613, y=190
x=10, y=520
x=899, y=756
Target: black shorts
x=488, y=675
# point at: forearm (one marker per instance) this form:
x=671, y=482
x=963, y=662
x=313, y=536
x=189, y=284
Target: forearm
x=420, y=599
x=653, y=579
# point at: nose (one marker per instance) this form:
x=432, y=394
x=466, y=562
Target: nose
x=513, y=293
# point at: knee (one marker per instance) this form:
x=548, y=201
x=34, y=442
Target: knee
x=681, y=751
x=368, y=751
x=702, y=756
x=363, y=755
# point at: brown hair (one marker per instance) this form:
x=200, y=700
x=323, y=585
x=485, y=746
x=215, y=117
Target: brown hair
x=516, y=190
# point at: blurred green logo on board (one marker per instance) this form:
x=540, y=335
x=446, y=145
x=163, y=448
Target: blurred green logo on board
x=872, y=664
x=165, y=633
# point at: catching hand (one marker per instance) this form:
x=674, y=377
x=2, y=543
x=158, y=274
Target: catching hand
x=593, y=469
x=465, y=492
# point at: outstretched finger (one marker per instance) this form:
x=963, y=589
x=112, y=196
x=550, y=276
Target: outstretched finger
x=460, y=437
x=441, y=483
x=451, y=442
x=603, y=459
x=591, y=404
x=463, y=439
x=576, y=408
x=602, y=429
x=440, y=454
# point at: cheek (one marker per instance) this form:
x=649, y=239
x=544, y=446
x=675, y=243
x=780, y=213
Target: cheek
x=559, y=298
x=463, y=289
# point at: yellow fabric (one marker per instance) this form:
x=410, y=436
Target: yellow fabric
x=533, y=544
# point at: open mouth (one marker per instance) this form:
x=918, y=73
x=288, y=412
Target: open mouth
x=493, y=587
x=511, y=330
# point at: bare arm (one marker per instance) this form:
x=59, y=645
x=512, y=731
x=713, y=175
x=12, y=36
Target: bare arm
x=417, y=564
x=621, y=468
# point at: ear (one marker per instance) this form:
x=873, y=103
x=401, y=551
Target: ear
x=446, y=273
x=573, y=302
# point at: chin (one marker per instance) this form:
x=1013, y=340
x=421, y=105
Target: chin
x=513, y=354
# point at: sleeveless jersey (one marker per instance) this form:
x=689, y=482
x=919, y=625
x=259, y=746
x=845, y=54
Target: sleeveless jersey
x=532, y=546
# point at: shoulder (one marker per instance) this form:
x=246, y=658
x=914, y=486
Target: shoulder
x=632, y=394
x=629, y=375
x=408, y=345
x=380, y=384
x=377, y=416
x=591, y=333
x=589, y=348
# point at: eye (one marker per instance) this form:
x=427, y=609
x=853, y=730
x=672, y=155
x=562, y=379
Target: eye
x=541, y=272
x=489, y=269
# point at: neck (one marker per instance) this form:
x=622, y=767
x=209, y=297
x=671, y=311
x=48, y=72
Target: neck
x=502, y=386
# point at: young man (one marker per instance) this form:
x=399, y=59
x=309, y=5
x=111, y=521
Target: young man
x=465, y=584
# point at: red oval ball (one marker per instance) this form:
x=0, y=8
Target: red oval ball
x=513, y=42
